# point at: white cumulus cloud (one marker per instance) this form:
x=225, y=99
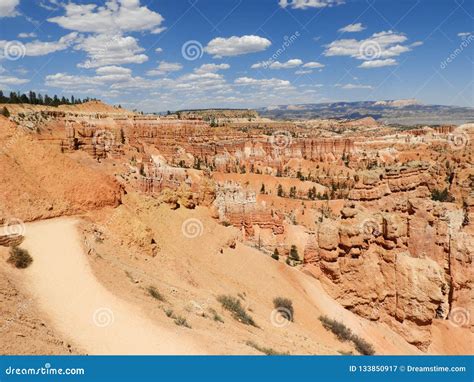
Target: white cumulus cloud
x=378, y=63
x=211, y=68
x=380, y=46
x=165, y=67
x=357, y=27
x=8, y=8
x=103, y=50
x=313, y=65
x=27, y=35
x=113, y=17
x=42, y=48
x=304, y=4
x=235, y=46
x=264, y=82
x=354, y=86
x=6, y=81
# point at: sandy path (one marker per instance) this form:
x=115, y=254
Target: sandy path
x=80, y=307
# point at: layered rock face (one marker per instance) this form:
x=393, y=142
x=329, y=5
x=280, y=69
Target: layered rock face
x=10, y=240
x=106, y=135
x=405, y=264
x=239, y=208
x=393, y=180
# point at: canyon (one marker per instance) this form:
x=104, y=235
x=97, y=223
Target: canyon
x=365, y=222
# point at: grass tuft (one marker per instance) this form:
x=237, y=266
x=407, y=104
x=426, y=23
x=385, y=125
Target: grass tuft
x=153, y=292
x=181, y=321
x=234, y=306
x=343, y=333
x=265, y=350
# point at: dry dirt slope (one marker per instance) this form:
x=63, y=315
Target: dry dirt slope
x=78, y=305
x=38, y=181
x=191, y=273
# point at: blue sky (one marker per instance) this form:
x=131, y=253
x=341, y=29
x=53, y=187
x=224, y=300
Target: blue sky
x=171, y=54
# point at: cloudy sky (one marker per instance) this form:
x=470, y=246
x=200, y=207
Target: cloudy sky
x=157, y=55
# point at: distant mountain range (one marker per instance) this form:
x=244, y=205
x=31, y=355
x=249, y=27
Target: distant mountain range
x=403, y=112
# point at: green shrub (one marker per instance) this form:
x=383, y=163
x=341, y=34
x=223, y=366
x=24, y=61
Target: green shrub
x=181, y=321
x=19, y=257
x=338, y=328
x=276, y=255
x=169, y=313
x=153, y=292
x=362, y=346
x=215, y=316
x=265, y=350
x=281, y=303
x=442, y=196
x=234, y=306
x=345, y=334
x=5, y=112
x=294, y=253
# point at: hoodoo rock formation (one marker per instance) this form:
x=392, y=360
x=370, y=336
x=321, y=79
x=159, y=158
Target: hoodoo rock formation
x=383, y=216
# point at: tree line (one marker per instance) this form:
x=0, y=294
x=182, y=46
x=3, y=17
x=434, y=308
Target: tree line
x=38, y=99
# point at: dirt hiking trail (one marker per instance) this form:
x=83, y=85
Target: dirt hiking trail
x=98, y=322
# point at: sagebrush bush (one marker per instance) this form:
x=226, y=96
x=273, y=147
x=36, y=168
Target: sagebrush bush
x=345, y=334
x=285, y=304
x=338, y=328
x=362, y=346
x=20, y=257
x=265, y=350
x=153, y=292
x=215, y=316
x=181, y=321
x=234, y=306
